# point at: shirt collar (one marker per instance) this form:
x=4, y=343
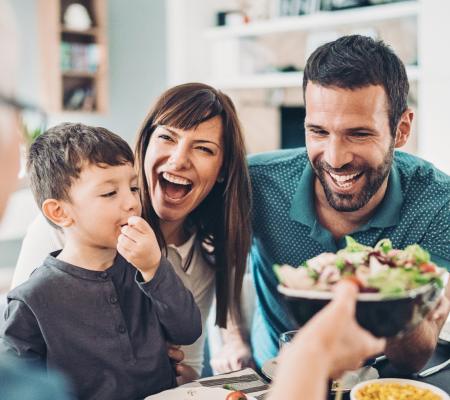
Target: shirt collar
x=387, y=213
x=183, y=250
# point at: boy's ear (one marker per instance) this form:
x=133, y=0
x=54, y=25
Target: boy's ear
x=56, y=212
x=404, y=128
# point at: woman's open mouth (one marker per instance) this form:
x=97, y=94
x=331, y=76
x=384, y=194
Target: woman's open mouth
x=174, y=187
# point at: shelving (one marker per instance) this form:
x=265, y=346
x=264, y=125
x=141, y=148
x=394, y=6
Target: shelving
x=280, y=80
x=317, y=21
x=75, y=61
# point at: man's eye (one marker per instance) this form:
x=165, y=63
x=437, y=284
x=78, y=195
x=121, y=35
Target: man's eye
x=360, y=134
x=135, y=189
x=109, y=194
x=319, y=133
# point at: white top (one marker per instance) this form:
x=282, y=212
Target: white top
x=41, y=239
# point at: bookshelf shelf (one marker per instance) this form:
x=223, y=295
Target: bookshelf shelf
x=280, y=80
x=75, y=62
x=317, y=21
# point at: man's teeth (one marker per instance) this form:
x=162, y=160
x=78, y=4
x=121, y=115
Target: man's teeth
x=343, y=180
x=176, y=179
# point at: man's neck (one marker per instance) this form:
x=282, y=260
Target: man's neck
x=341, y=223
x=87, y=257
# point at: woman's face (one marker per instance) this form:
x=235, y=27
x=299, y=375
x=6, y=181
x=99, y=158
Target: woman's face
x=182, y=166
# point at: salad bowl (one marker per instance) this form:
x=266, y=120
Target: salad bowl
x=392, y=300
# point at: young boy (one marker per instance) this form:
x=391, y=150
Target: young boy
x=101, y=309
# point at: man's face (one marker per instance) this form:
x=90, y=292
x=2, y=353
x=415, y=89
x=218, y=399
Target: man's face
x=349, y=142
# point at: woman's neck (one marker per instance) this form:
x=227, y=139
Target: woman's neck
x=174, y=232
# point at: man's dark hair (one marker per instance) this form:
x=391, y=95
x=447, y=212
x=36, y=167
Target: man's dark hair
x=354, y=62
x=57, y=157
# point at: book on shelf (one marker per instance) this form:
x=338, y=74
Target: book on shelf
x=79, y=57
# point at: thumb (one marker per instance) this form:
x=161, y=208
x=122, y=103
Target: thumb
x=345, y=294
x=139, y=224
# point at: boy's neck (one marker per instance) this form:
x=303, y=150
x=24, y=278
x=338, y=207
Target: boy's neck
x=91, y=258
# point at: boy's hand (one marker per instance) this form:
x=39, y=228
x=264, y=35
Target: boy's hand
x=138, y=245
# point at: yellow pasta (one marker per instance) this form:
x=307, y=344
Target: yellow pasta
x=395, y=391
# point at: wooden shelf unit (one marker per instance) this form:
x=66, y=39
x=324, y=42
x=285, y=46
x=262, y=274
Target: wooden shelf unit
x=74, y=62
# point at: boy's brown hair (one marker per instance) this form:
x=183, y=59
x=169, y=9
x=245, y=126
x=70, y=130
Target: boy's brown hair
x=56, y=158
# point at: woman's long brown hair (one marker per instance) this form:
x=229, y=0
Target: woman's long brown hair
x=222, y=220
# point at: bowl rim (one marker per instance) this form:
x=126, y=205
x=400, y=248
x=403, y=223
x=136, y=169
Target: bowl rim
x=362, y=297
x=420, y=384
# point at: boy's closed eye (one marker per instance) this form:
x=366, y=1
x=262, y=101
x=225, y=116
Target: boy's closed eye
x=109, y=194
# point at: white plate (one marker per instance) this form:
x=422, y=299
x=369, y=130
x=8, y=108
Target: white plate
x=193, y=393
x=422, y=385
x=347, y=382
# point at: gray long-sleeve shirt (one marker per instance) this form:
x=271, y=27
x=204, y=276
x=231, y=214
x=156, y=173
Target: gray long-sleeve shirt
x=106, y=331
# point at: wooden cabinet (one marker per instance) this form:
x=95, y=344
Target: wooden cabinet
x=74, y=60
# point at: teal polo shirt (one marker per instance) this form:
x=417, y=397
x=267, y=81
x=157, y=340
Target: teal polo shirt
x=415, y=209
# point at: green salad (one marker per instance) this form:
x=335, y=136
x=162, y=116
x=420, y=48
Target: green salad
x=380, y=269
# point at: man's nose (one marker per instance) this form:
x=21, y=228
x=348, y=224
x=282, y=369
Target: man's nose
x=337, y=152
x=179, y=158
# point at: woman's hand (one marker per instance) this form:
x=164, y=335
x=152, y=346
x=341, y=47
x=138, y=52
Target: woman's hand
x=234, y=355
x=138, y=245
x=185, y=373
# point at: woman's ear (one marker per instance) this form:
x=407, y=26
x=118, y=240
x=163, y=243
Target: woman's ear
x=404, y=128
x=56, y=212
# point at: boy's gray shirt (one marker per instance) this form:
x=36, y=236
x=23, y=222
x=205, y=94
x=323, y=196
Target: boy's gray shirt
x=107, y=331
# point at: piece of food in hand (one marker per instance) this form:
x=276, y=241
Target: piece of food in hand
x=380, y=269
x=236, y=395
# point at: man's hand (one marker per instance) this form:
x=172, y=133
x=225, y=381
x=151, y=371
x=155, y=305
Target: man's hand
x=411, y=352
x=234, y=355
x=138, y=245
x=185, y=373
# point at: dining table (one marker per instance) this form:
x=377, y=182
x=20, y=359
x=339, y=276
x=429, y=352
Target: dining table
x=257, y=385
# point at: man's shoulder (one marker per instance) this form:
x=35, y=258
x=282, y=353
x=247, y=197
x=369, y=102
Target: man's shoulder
x=422, y=176
x=283, y=157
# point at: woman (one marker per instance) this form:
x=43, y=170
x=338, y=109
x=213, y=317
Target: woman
x=195, y=192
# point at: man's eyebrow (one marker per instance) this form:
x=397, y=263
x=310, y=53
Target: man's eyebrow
x=359, y=129
x=314, y=126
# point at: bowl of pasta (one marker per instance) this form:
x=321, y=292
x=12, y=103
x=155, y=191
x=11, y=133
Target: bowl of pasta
x=393, y=388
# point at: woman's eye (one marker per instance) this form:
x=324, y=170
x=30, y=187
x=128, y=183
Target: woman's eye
x=109, y=194
x=135, y=189
x=205, y=149
x=165, y=137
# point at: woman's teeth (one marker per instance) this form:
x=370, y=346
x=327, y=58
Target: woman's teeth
x=176, y=179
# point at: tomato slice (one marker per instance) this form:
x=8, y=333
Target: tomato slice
x=426, y=267
x=236, y=395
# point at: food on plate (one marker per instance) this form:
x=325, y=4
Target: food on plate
x=236, y=395
x=388, y=391
x=380, y=269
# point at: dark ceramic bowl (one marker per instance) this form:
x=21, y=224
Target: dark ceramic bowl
x=382, y=316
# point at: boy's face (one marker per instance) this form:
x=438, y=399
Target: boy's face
x=101, y=201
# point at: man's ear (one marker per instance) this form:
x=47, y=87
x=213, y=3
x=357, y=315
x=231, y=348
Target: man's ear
x=57, y=212
x=404, y=128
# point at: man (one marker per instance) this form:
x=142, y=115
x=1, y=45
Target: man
x=16, y=380
x=348, y=180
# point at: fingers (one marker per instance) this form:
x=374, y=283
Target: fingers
x=139, y=224
x=131, y=232
x=345, y=294
x=175, y=354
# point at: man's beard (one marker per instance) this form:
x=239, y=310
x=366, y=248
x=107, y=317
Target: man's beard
x=374, y=179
